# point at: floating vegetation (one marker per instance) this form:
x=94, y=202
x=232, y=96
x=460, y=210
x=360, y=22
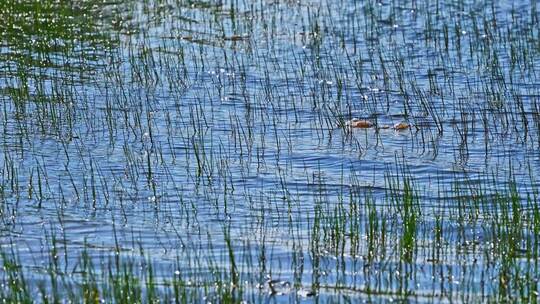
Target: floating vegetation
x=401, y=126
x=358, y=123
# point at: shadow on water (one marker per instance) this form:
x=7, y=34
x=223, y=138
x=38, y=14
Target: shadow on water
x=47, y=40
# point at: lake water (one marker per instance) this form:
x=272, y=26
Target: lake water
x=208, y=138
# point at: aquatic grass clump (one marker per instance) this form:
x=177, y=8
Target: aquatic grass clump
x=507, y=244
x=120, y=279
x=188, y=151
x=15, y=289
